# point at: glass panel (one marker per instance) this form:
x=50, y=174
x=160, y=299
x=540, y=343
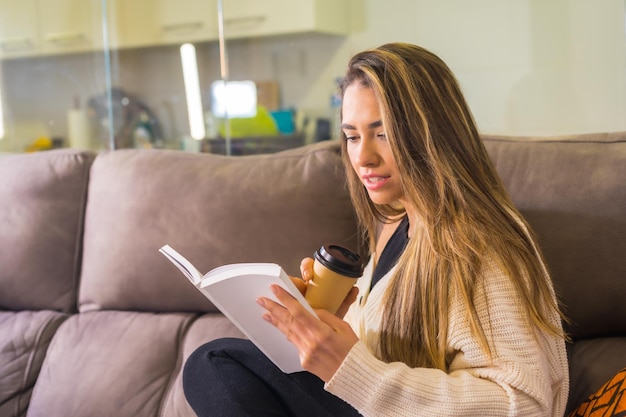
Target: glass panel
x=73, y=75
x=52, y=64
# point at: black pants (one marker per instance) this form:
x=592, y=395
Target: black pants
x=231, y=377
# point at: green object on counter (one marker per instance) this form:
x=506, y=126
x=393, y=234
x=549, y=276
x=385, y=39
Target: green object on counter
x=263, y=124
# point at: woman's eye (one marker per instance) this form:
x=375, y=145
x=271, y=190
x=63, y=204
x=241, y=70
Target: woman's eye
x=381, y=136
x=351, y=138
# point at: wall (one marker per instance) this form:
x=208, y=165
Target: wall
x=526, y=66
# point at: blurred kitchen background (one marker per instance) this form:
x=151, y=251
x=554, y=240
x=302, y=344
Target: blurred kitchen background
x=254, y=76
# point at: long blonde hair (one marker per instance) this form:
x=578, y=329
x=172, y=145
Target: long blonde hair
x=465, y=211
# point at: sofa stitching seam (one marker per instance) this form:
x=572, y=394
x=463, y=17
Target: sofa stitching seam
x=88, y=159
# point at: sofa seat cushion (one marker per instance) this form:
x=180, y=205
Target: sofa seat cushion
x=214, y=210
x=25, y=339
x=41, y=217
x=124, y=364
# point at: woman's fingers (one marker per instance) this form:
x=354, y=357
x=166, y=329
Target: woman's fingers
x=306, y=268
x=293, y=306
x=287, y=314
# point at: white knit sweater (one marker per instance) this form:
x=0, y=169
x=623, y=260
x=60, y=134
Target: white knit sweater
x=528, y=376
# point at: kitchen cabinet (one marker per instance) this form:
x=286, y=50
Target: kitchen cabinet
x=43, y=27
x=40, y=27
x=132, y=23
x=138, y=23
x=70, y=25
x=250, y=18
x=18, y=28
x=187, y=20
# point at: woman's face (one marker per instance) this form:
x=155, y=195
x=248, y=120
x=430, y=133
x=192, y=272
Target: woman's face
x=367, y=145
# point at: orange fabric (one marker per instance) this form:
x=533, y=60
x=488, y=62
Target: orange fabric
x=608, y=401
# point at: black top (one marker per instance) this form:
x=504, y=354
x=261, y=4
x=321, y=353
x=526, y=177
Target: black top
x=394, y=247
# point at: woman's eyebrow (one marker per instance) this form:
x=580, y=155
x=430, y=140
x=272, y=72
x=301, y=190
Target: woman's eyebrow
x=372, y=125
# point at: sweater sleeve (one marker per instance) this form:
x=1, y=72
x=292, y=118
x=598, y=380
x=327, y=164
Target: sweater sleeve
x=527, y=374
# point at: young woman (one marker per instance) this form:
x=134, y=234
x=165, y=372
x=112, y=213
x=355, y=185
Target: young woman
x=455, y=313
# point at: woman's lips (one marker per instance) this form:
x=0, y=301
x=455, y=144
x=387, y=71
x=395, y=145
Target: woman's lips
x=374, y=182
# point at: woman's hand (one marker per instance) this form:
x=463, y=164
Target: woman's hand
x=322, y=344
x=306, y=269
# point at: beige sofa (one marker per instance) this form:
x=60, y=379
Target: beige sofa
x=95, y=322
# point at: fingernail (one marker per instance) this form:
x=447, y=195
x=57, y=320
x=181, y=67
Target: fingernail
x=267, y=318
x=260, y=302
x=274, y=289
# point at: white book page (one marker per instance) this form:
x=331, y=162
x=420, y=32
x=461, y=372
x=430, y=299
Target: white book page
x=186, y=267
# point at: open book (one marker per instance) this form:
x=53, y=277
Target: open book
x=234, y=288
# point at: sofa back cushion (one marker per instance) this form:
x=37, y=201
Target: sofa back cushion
x=42, y=202
x=572, y=190
x=212, y=209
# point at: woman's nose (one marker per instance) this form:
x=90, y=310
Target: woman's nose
x=366, y=153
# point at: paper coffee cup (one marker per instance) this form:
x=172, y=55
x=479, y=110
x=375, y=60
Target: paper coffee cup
x=335, y=272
